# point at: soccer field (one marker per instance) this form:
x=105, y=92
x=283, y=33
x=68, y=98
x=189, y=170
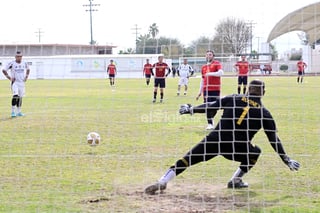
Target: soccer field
x=47, y=166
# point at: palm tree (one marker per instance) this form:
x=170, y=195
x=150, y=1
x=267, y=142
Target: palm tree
x=153, y=30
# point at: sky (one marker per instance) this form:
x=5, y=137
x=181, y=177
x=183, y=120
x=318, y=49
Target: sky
x=115, y=22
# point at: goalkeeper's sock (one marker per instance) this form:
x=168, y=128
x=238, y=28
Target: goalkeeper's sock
x=238, y=174
x=169, y=175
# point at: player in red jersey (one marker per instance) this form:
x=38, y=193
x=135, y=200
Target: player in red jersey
x=242, y=68
x=112, y=71
x=162, y=70
x=301, y=66
x=147, y=70
x=210, y=85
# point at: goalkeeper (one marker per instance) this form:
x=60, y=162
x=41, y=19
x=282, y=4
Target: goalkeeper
x=243, y=116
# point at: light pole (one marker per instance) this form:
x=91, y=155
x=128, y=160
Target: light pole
x=90, y=5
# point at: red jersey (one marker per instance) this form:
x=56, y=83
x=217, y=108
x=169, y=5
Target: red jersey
x=243, y=68
x=147, y=69
x=211, y=83
x=111, y=69
x=301, y=65
x=160, y=69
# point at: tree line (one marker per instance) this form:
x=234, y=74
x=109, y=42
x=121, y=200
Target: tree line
x=232, y=36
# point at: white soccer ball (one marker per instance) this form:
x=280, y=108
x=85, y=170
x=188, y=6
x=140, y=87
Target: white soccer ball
x=93, y=139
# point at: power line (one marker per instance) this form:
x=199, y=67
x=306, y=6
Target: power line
x=90, y=5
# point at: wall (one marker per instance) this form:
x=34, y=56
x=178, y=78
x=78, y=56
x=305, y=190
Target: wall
x=84, y=66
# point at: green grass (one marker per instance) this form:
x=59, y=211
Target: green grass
x=46, y=165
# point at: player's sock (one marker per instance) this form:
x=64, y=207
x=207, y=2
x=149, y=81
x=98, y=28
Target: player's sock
x=154, y=95
x=169, y=175
x=244, y=90
x=161, y=95
x=239, y=89
x=237, y=175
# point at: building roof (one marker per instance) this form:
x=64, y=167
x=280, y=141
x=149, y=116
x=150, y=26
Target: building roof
x=306, y=19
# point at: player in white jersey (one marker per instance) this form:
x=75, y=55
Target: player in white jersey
x=184, y=71
x=19, y=75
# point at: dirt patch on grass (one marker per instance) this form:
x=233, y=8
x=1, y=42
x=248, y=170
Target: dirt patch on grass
x=177, y=198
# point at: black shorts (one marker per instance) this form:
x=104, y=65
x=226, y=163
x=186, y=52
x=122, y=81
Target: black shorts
x=210, y=96
x=242, y=80
x=148, y=75
x=300, y=72
x=111, y=75
x=160, y=82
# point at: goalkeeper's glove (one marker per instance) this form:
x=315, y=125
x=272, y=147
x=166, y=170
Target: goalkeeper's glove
x=292, y=164
x=186, y=109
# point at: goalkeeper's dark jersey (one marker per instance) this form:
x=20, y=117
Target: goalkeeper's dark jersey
x=242, y=118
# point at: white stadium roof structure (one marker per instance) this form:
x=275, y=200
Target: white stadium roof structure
x=306, y=19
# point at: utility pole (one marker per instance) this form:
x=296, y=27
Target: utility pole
x=90, y=5
x=136, y=33
x=250, y=24
x=39, y=32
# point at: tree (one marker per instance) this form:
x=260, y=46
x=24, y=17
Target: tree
x=149, y=44
x=232, y=35
x=153, y=30
x=201, y=45
x=127, y=51
x=304, y=38
x=274, y=52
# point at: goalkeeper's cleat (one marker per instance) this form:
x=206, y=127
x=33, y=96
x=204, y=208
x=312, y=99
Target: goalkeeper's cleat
x=151, y=190
x=13, y=114
x=20, y=114
x=237, y=185
x=210, y=127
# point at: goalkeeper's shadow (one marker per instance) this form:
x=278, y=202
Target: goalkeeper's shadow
x=246, y=197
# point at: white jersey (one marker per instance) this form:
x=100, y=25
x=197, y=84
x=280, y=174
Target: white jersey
x=184, y=70
x=18, y=70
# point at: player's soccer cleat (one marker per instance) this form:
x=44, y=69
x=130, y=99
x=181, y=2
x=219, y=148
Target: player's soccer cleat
x=20, y=114
x=178, y=93
x=161, y=100
x=154, y=100
x=185, y=93
x=210, y=127
x=237, y=185
x=13, y=114
x=151, y=190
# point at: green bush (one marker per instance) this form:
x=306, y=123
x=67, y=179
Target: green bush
x=284, y=67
